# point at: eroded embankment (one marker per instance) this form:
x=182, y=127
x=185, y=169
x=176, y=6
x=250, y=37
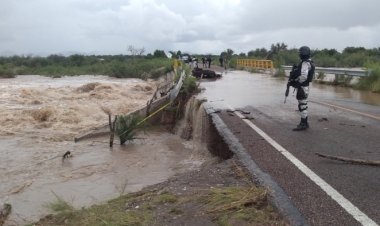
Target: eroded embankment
x=197, y=125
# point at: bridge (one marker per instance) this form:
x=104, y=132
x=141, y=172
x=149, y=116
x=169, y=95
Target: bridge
x=268, y=64
x=336, y=71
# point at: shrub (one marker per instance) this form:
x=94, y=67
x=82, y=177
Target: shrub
x=120, y=66
x=321, y=75
x=189, y=84
x=6, y=72
x=118, y=70
x=126, y=127
x=342, y=80
x=372, y=81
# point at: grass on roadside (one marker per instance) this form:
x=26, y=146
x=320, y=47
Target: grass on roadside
x=240, y=206
x=225, y=206
x=60, y=205
x=123, y=210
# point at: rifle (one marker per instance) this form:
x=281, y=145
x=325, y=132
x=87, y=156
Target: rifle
x=291, y=82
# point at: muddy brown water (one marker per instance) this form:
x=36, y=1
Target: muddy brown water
x=32, y=172
x=240, y=88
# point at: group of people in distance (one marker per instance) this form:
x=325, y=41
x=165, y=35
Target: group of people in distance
x=206, y=62
x=300, y=77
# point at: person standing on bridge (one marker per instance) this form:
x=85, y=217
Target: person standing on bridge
x=209, y=61
x=303, y=75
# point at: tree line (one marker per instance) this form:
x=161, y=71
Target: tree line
x=134, y=65
x=137, y=64
x=348, y=57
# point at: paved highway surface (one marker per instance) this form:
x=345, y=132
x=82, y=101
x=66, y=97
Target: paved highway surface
x=343, y=122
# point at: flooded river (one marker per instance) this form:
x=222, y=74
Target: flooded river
x=40, y=117
x=241, y=88
x=58, y=109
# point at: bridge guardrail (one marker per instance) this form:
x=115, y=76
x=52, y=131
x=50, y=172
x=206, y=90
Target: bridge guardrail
x=262, y=64
x=337, y=71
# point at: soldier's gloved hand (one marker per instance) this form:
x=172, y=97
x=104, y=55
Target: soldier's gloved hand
x=297, y=84
x=293, y=83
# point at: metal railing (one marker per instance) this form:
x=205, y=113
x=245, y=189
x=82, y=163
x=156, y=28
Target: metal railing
x=264, y=64
x=336, y=71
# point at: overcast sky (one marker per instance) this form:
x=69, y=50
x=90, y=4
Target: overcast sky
x=109, y=26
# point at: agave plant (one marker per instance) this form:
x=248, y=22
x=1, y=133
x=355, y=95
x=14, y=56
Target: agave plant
x=126, y=126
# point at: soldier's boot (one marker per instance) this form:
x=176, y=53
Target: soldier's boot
x=302, y=126
x=307, y=124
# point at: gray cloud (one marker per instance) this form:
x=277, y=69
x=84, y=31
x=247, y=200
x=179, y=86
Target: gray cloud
x=340, y=14
x=109, y=26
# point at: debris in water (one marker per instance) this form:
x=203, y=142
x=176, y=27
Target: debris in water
x=241, y=111
x=67, y=155
x=19, y=189
x=322, y=119
x=5, y=210
x=216, y=111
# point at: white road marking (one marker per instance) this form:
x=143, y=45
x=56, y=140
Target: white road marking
x=334, y=194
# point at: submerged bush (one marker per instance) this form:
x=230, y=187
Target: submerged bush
x=342, y=80
x=127, y=125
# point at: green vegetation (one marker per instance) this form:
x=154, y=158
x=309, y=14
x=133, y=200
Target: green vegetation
x=60, y=206
x=239, y=206
x=126, y=127
x=342, y=80
x=137, y=65
x=371, y=82
x=349, y=57
x=358, y=57
x=320, y=75
x=120, y=66
x=226, y=206
x=119, y=211
x=189, y=84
